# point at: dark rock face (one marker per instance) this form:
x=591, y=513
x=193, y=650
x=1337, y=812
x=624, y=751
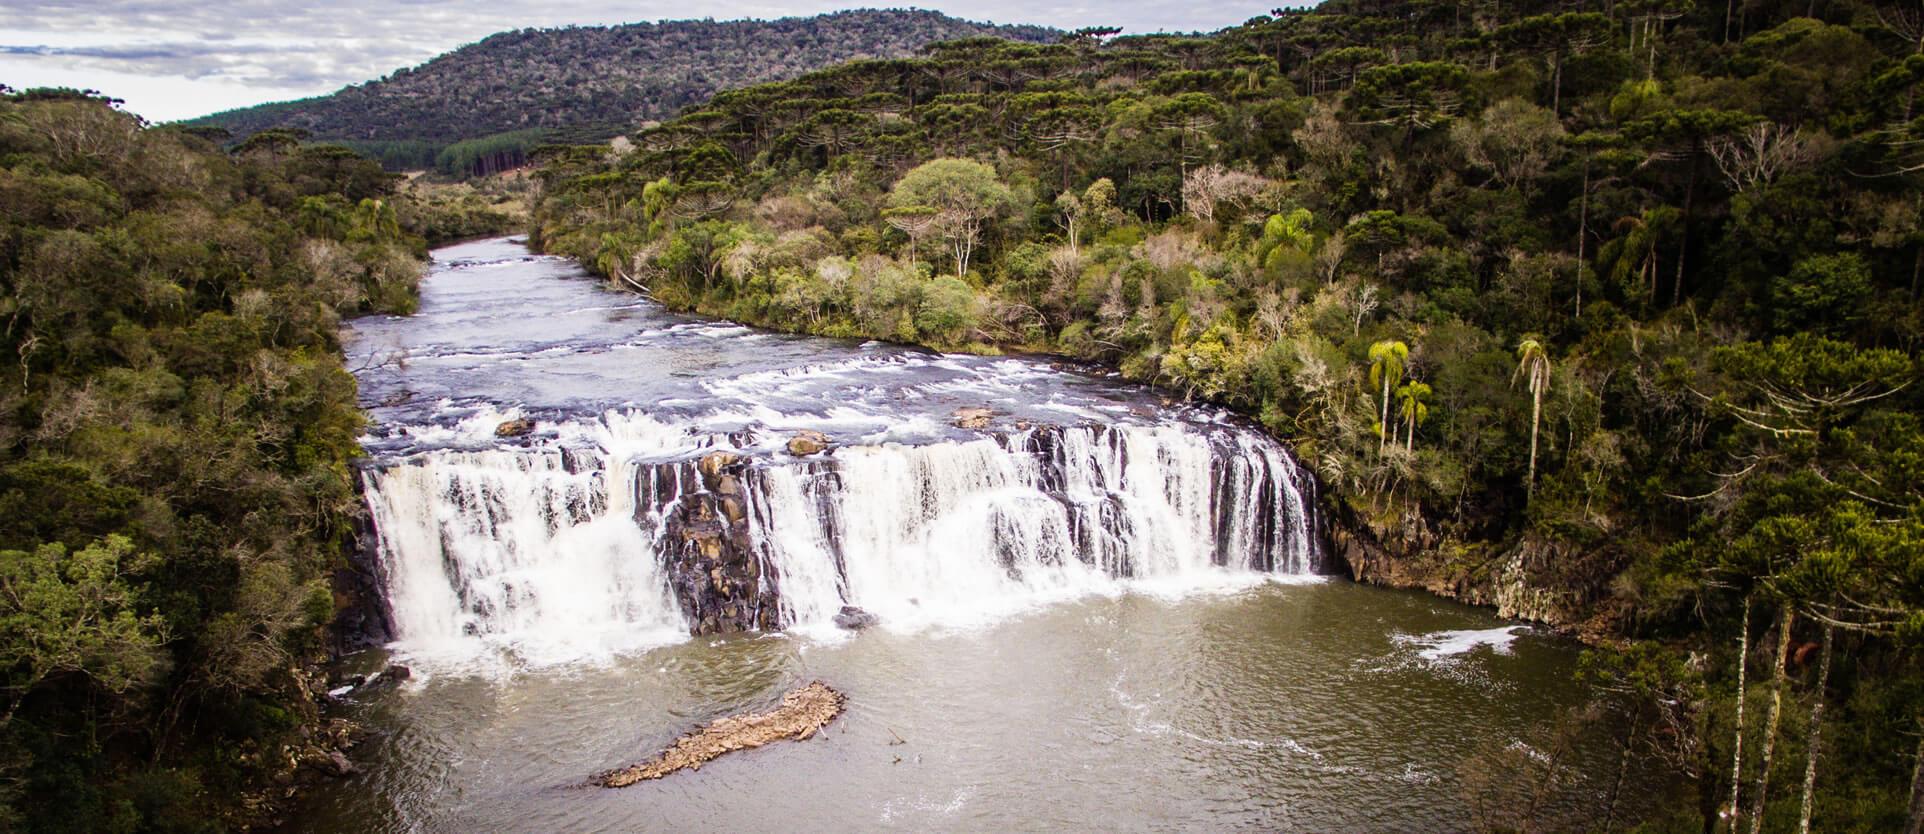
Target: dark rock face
x=855, y=619
x=1531, y=579
x=362, y=619
x=718, y=579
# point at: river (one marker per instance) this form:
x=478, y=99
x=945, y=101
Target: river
x=1097, y=611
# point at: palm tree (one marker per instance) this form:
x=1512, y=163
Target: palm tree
x=1533, y=365
x=1414, y=409
x=1387, y=360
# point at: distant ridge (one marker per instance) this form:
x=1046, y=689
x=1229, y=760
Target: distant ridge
x=591, y=82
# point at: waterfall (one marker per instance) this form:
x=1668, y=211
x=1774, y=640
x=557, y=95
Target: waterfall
x=609, y=532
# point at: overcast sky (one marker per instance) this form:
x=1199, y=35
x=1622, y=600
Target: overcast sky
x=174, y=59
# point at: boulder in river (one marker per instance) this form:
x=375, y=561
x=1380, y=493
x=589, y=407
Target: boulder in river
x=518, y=427
x=855, y=619
x=973, y=418
x=714, y=463
x=802, y=712
x=393, y=675
x=807, y=442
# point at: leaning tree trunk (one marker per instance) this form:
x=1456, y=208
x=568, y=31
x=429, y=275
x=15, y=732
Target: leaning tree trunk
x=1915, y=825
x=1737, y=740
x=1816, y=728
x=1778, y=681
x=1689, y=215
x=1623, y=771
x=1583, y=231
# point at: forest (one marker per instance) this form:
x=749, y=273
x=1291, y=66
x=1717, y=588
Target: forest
x=517, y=89
x=176, y=435
x=1605, y=314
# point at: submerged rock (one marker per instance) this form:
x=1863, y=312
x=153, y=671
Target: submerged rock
x=334, y=763
x=855, y=619
x=802, y=712
x=973, y=418
x=518, y=427
x=393, y=675
x=807, y=442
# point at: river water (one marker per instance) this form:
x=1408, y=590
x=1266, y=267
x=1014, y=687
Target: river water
x=1099, y=612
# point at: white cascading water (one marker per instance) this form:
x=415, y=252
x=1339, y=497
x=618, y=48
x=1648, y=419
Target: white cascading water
x=556, y=552
x=525, y=547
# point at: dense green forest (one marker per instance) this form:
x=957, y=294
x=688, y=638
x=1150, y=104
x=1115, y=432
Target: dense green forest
x=479, y=108
x=176, y=428
x=1606, y=314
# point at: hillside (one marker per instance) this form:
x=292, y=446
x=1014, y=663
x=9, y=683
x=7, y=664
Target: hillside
x=1605, y=314
x=593, y=81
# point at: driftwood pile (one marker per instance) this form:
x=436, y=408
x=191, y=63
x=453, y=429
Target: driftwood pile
x=802, y=712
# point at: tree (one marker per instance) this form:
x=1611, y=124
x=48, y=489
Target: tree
x=1590, y=145
x=1534, y=366
x=1208, y=187
x=1415, y=96
x=1556, y=37
x=965, y=194
x=1069, y=213
x=1413, y=399
x=1687, y=135
x=74, y=614
x=1286, y=241
x=948, y=310
x=1190, y=116
x=915, y=221
x=1761, y=153
x=1387, y=361
x=1514, y=140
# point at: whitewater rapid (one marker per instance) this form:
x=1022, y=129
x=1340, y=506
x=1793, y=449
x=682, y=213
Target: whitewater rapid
x=574, y=539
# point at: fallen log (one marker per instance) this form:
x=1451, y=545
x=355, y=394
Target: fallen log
x=802, y=711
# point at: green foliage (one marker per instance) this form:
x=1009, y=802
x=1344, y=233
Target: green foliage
x=75, y=614
x=175, y=435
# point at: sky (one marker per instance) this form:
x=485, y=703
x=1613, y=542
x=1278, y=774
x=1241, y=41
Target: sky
x=176, y=59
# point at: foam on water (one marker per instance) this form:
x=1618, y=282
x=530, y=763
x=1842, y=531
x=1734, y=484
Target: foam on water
x=1441, y=645
x=548, y=547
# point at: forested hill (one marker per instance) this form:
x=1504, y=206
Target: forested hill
x=594, y=80
x=1604, y=313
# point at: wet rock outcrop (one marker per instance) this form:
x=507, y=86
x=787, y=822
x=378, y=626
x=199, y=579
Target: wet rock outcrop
x=855, y=619
x=1533, y=578
x=361, y=619
x=710, y=557
x=973, y=418
x=807, y=442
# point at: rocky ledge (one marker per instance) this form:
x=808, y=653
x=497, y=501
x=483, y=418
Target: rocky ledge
x=710, y=557
x=1554, y=583
x=802, y=712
